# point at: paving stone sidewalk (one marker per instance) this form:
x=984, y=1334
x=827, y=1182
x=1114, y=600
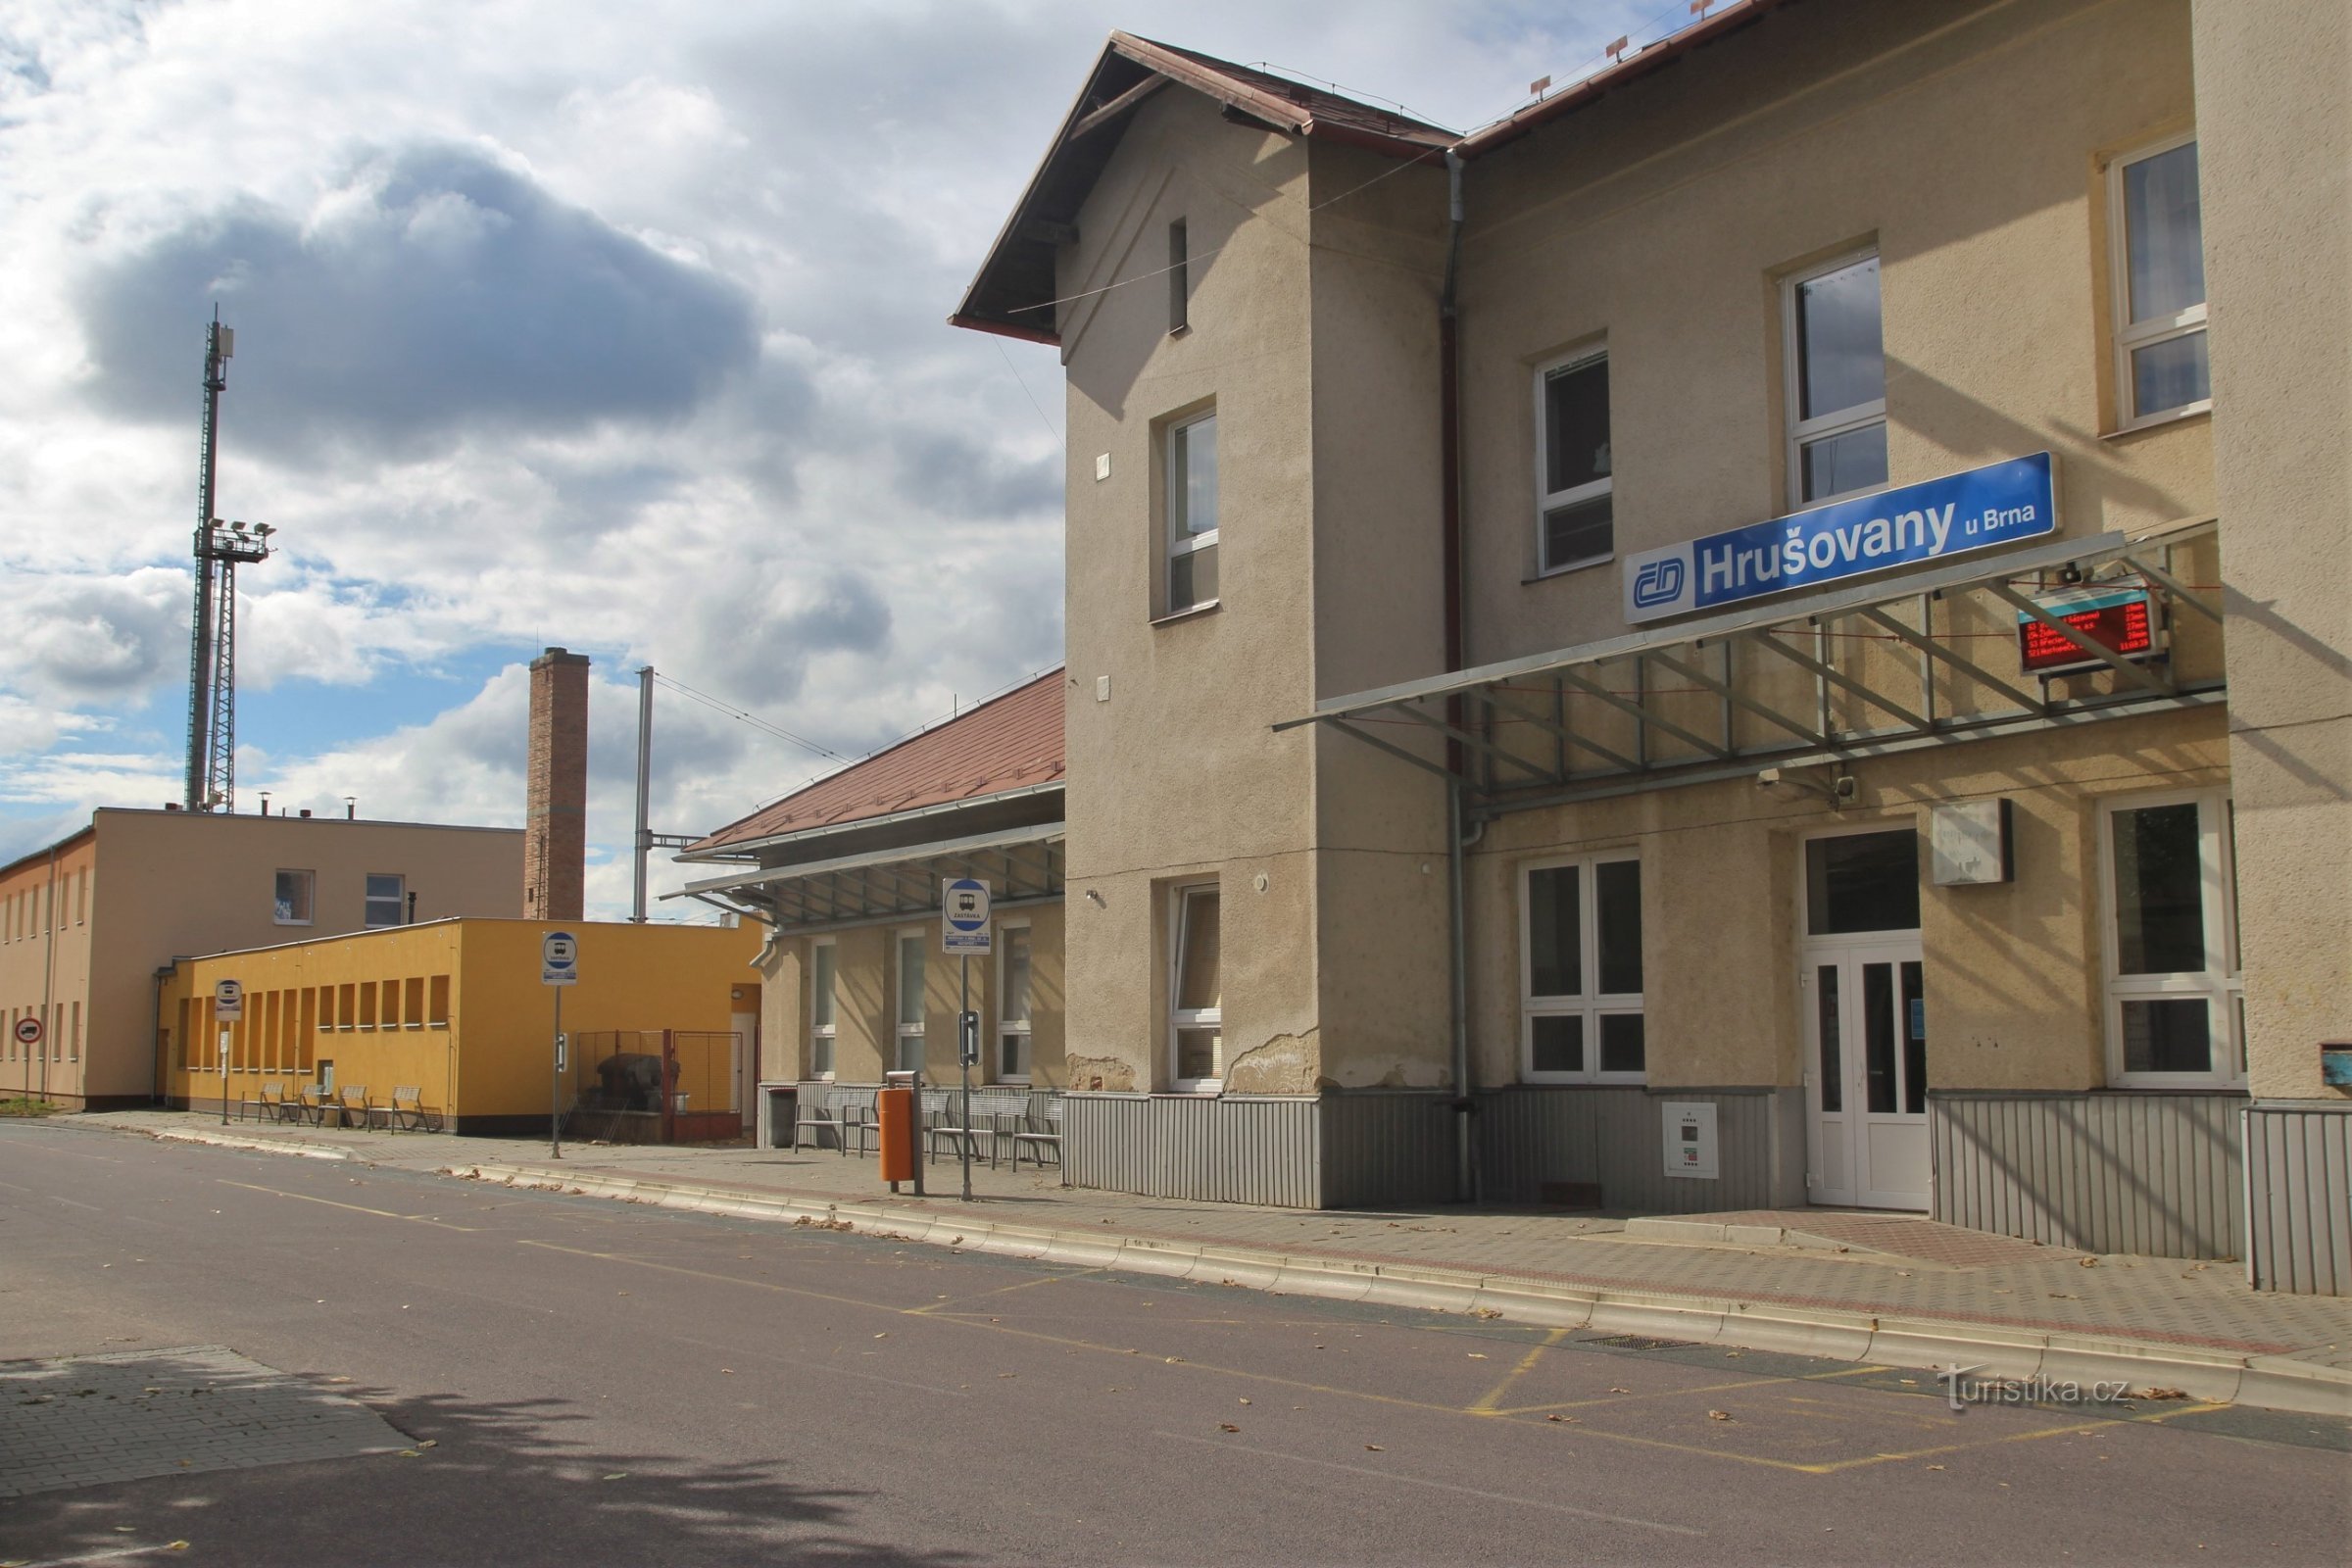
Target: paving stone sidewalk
x=90, y=1420
x=1898, y=1266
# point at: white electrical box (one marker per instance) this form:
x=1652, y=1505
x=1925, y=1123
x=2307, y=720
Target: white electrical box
x=1968, y=842
x=1691, y=1149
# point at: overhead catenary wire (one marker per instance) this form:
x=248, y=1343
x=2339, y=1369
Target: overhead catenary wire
x=744, y=717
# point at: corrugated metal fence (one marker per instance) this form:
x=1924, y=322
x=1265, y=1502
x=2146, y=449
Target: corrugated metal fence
x=2157, y=1174
x=1532, y=1138
x=1235, y=1148
x=2299, y=1186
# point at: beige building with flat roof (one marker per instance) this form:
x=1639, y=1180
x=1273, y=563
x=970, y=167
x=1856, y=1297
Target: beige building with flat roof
x=88, y=925
x=1722, y=641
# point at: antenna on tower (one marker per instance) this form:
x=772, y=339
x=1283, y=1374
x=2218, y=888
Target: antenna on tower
x=212, y=781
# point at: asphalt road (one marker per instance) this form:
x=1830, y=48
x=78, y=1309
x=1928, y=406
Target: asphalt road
x=593, y=1383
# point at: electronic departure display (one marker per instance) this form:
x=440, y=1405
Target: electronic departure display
x=2118, y=618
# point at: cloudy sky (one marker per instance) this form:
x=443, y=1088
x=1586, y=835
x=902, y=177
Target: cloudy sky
x=612, y=326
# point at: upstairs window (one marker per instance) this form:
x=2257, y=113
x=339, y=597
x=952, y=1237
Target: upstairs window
x=2155, y=215
x=1191, y=513
x=1575, y=511
x=1836, y=360
x=385, y=895
x=1180, y=280
x=294, y=890
x=1580, y=979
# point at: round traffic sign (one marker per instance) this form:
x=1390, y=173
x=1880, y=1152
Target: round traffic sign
x=966, y=904
x=561, y=949
x=28, y=1030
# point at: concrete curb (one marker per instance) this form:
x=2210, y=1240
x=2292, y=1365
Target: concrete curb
x=2276, y=1381
x=257, y=1145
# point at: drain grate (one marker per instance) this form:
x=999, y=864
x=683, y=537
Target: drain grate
x=1641, y=1342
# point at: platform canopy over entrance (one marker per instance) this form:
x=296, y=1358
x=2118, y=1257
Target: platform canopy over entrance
x=1926, y=659
x=1021, y=865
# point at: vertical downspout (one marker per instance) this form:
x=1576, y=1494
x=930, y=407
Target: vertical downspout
x=1450, y=468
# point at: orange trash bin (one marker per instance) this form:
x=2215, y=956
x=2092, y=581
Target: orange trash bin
x=893, y=1109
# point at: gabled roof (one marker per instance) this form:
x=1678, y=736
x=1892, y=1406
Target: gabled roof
x=1009, y=743
x=1014, y=287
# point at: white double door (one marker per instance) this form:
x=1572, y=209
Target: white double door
x=1866, y=1045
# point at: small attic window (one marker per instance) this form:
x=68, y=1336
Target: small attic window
x=1180, y=286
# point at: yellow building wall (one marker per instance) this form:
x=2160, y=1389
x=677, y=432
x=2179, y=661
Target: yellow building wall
x=454, y=1007
x=45, y=963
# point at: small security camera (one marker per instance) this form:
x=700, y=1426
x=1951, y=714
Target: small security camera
x=1844, y=786
x=1767, y=778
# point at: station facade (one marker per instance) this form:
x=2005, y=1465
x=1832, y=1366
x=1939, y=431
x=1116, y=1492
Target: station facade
x=1768, y=629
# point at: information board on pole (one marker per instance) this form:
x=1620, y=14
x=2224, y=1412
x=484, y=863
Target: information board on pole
x=229, y=1000
x=559, y=959
x=963, y=911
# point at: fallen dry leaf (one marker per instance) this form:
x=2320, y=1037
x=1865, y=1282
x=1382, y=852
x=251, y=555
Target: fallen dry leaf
x=1559, y=1418
x=1719, y=1415
x=1478, y=1355
x=1620, y=1391
x=1227, y=1426
x=1374, y=1448
x=1244, y=1402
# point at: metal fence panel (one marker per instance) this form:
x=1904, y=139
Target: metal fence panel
x=2299, y=1195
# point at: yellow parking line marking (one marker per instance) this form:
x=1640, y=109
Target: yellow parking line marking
x=1488, y=1400
x=1694, y=1450
x=1439, y=1486
x=356, y=1209
x=1001, y=1290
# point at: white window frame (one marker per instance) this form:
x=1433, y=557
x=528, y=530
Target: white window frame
x=310, y=918
x=1183, y=1018
x=901, y=1030
x=2130, y=335
x=1548, y=501
x=826, y=1035
x=1803, y=432
x=2222, y=983
x=1591, y=1004
x=1174, y=543
x=368, y=901
x=1025, y=1027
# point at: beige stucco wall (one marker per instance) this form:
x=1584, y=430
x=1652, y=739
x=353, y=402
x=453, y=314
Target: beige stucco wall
x=173, y=884
x=2274, y=144
x=1662, y=219
x=865, y=1002
x=2015, y=973
x=1176, y=775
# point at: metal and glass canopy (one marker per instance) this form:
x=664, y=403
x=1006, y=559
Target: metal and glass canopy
x=1926, y=658
x=1021, y=865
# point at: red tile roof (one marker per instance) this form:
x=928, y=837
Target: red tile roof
x=1008, y=742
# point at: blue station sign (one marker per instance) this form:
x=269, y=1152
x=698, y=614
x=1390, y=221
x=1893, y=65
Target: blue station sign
x=1999, y=503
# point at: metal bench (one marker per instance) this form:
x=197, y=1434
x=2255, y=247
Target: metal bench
x=1039, y=1130
x=358, y=1109
x=273, y=1105
x=820, y=1112
x=409, y=1109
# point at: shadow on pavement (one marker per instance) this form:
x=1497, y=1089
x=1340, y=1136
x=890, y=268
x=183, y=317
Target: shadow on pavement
x=517, y=1483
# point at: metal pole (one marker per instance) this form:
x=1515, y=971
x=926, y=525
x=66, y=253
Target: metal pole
x=554, y=1098
x=963, y=1055
x=225, y=1075
x=200, y=660
x=645, y=786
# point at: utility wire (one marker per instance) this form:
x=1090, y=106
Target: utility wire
x=753, y=719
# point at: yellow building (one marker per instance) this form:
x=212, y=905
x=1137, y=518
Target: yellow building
x=456, y=1010
x=86, y=923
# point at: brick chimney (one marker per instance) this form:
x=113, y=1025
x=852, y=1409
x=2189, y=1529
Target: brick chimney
x=555, y=845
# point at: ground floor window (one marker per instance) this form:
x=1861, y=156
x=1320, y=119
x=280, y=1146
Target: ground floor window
x=1013, y=1026
x=1195, y=1010
x=911, y=948
x=822, y=1028
x=2172, y=983
x=1580, y=1016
